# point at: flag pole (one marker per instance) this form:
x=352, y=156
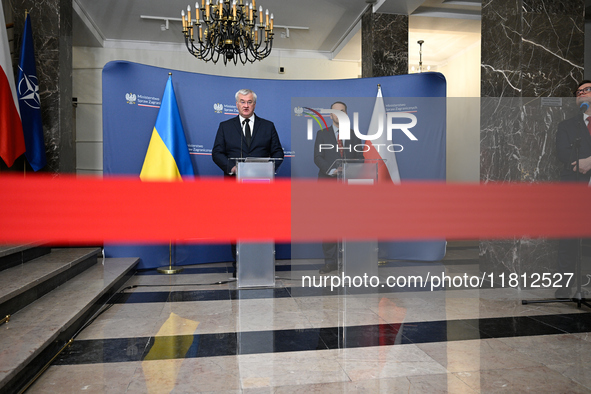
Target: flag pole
x=381, y=262
x=25, y=161
x=162, y=161
x=171, y=269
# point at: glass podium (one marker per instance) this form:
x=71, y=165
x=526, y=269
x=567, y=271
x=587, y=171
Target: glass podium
x=357, y=258
x=256, y=261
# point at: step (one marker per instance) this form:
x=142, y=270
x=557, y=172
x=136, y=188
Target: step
x=13, y=255
x=25, y=283
x=35, y=334
x=586, y=247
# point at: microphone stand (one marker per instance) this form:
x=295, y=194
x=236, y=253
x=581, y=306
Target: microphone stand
x=578, y=296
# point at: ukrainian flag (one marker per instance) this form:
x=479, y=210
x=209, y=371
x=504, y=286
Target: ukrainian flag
x=167, y=158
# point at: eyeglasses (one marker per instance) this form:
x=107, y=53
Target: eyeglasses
x=581, y=92
x=249, y=102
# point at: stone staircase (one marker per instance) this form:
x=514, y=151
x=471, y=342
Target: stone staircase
x=47, y=295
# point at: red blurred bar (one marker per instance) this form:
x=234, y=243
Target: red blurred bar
x=422, y=211
x=89, y=210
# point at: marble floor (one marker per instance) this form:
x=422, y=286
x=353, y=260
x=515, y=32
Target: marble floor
x=196, y=332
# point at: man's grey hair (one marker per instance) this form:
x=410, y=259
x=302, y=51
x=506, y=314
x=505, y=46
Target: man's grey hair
x=246, y=92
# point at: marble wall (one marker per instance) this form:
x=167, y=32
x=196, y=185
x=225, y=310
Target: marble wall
x=52, y=35
x=384, y=44
x=532, y=59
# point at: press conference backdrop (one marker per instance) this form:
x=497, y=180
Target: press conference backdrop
x=132, y=94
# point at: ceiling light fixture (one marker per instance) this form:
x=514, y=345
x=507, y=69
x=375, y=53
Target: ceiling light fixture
x=420, y=42
x=229, y=30
x=420, y=67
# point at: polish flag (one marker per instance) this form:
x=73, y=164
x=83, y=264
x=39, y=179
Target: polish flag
x=12, y=140
x=388, y=169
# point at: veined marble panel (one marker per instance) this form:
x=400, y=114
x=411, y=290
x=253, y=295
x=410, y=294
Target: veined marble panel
x=500, y=126
x=530, y=50
x=52, y=36
x=521, y=256
x=501, y=49
x=384, y=44
x=518, y=138
x=552, y=54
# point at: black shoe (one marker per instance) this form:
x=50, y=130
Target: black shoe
x=328, y=268
x=563, y=292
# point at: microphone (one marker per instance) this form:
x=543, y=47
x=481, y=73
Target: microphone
x=584, y=107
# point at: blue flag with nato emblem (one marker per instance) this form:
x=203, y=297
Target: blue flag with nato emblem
x=29, y=102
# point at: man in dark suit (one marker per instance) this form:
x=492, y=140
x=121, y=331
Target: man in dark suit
x=326, y=151
x=572, y=132
x=245, y=135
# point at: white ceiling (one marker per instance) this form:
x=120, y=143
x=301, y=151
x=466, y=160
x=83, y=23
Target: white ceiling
x=446, y=26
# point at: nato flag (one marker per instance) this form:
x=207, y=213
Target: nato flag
x=29, y=102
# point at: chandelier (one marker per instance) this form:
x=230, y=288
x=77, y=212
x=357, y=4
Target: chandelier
x=420, y=69
x=229, y=30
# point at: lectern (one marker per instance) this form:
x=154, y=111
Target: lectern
x=256, y=261
x=357, y=257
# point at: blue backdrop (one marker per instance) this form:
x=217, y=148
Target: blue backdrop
x=132, y=94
